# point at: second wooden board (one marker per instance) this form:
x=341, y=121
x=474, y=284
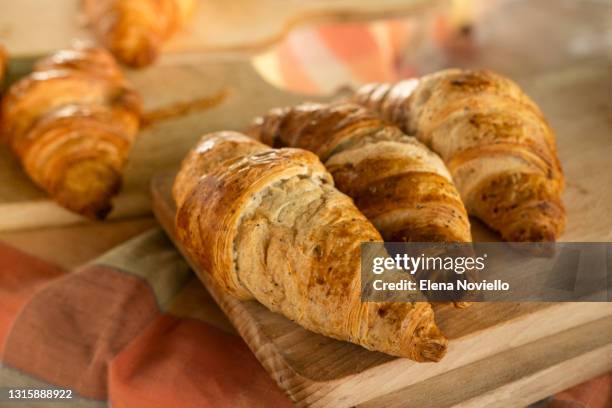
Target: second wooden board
x=322, y=372
x=212, y=28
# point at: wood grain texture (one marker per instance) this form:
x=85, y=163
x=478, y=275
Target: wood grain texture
x=319, y=371
x=213, y=27
x=516, y=377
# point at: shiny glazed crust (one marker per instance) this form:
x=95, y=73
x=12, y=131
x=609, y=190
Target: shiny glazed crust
x=72, y=122
x=494, y=140
x=135, y=30
x=268, y=224
x=402, y=187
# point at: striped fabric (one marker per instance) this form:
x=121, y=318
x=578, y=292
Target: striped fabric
x=316, y=59
x=323, y=58
x=596, y=393
x=135, y=328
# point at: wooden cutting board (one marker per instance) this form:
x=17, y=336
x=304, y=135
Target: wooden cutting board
x=321, y=372
x=517, y=377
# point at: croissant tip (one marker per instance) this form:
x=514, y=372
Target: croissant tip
x=462, y=305
x=429, y=343
x=140, y=51
x=139, y=61
x=97, y=211
x=88, y=188
x=433, y=349
x=102, y=212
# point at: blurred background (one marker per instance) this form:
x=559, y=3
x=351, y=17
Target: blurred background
x=238, y=58
x=515, y=37
x=319, y=46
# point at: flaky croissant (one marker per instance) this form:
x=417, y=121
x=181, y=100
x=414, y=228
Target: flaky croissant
x=135, y=30
x=397, y=182
x=268, y=224
x=3, y=64
x=72, y=122
x=494, y=140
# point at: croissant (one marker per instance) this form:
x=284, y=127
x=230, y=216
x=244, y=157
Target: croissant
x=402, y=187
x=135, y=30
x=72, y=122
x=3, y=64
x=494, y=140
x=268, y=224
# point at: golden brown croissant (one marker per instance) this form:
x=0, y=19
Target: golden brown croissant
x=494, y=140
x=72, y=122
x=3, y=64
x=397, y=182
x=135, y=30
x=268, y=224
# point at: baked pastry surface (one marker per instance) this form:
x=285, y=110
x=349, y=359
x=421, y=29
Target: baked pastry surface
x=135, y=30
x=401, y=186
x=72, y=123
x=268, y=224
x=495, y=141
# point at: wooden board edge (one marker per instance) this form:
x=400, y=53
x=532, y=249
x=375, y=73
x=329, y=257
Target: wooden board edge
x=516, y=377
x=570, y=373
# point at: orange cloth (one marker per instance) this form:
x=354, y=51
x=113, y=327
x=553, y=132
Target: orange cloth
x=596, y=393
x=187, y=363
x=20, y=276
x=99, y=331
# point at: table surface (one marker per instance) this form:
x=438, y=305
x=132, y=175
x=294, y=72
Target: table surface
x=74, y=245
x=552, y=35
